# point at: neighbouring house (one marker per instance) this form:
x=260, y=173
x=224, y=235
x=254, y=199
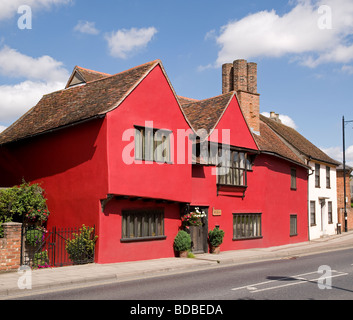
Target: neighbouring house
x=322, y=186
x=341, y=199
x=114, y=151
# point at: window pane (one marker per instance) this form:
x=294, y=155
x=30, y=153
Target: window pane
x=312, y=213
x=246, y=226
x=138, y=144
x=142, y=223
x=293, y=225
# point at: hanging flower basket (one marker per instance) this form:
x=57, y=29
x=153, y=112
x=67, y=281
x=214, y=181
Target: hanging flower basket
x=37, y=215
x=35, y=235
x=193, y=218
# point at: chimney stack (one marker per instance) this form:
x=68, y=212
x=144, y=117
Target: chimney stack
x=275, y=116
x=241, y=76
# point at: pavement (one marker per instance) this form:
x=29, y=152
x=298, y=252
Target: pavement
x=52, y=279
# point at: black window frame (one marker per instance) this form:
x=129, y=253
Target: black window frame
x=293, y=179
x=236, y=169
x=293, y=225
x=312, y=213
x=329, y=212
x=153, y=143
x=328, y=177
x=317, y=175
x=247, y=229
x=150, y=217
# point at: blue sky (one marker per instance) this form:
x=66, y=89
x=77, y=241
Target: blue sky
x=303, y=48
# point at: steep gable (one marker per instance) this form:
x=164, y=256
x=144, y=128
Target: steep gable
x=76, y=104
x=221, y=112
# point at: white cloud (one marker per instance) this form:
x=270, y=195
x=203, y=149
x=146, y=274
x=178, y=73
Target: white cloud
x=2, y=128
x=123, y=42
x=42, y=75
x=17, y=65
x=8, y=8
x=286, y=120
x=337, y=154
x=86, y=27
x=298, y=33
x=17, y=99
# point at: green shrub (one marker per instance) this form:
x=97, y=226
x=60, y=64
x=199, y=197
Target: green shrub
x=24, y=201
x=81, y=248
x=182, y=241
x=41, y=260
x=34, y=236
x=215, y=237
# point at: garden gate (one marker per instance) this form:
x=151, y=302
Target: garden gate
x=48, y=249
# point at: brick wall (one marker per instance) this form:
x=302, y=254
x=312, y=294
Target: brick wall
x=10, y=247
x=340, y=200
x=241, y=76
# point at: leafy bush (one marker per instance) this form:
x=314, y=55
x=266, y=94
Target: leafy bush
x=215, y=237
x=182, y=241
x=34, y=236
x=41, y=260
x=81, y=248
x=26, y=200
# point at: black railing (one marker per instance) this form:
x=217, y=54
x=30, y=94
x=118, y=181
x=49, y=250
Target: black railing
x=56, y=247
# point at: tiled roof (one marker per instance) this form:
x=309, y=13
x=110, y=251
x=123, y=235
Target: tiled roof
x=205, y=114
x=268, y=141
x=304, y=146
x=87, y=75
x=77, y=103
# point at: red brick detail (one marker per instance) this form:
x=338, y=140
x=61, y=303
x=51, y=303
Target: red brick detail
x=10, y=247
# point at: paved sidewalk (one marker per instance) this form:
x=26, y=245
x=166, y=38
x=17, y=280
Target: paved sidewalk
x=90, y=274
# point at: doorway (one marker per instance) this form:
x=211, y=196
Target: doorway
x=199, y=234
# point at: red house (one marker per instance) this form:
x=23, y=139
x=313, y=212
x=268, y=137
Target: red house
x=115, y=151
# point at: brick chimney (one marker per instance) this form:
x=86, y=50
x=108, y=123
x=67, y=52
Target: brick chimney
x=241, y=77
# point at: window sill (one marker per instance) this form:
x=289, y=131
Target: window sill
x=248, y=238
x=143, y=239
x=153, y=161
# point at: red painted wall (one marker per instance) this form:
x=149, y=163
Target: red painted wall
x=113, y=250
x=152, y=101
x=268, y=193
x=71, y=166
x=234, y=121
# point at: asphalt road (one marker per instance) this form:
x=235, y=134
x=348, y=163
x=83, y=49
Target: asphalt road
x=327, y=276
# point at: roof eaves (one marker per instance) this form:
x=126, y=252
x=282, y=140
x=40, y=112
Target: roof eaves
x=299, y=150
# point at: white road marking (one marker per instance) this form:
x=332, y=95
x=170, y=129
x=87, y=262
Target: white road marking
x=254, y=288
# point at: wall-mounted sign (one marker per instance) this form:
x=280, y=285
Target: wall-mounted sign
x=216, y=212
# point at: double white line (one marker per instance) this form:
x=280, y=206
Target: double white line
x=254, y=288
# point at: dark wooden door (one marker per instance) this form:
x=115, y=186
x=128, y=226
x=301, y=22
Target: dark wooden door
x=199, y=235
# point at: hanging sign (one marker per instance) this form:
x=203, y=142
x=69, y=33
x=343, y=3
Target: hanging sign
x=216, y=212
